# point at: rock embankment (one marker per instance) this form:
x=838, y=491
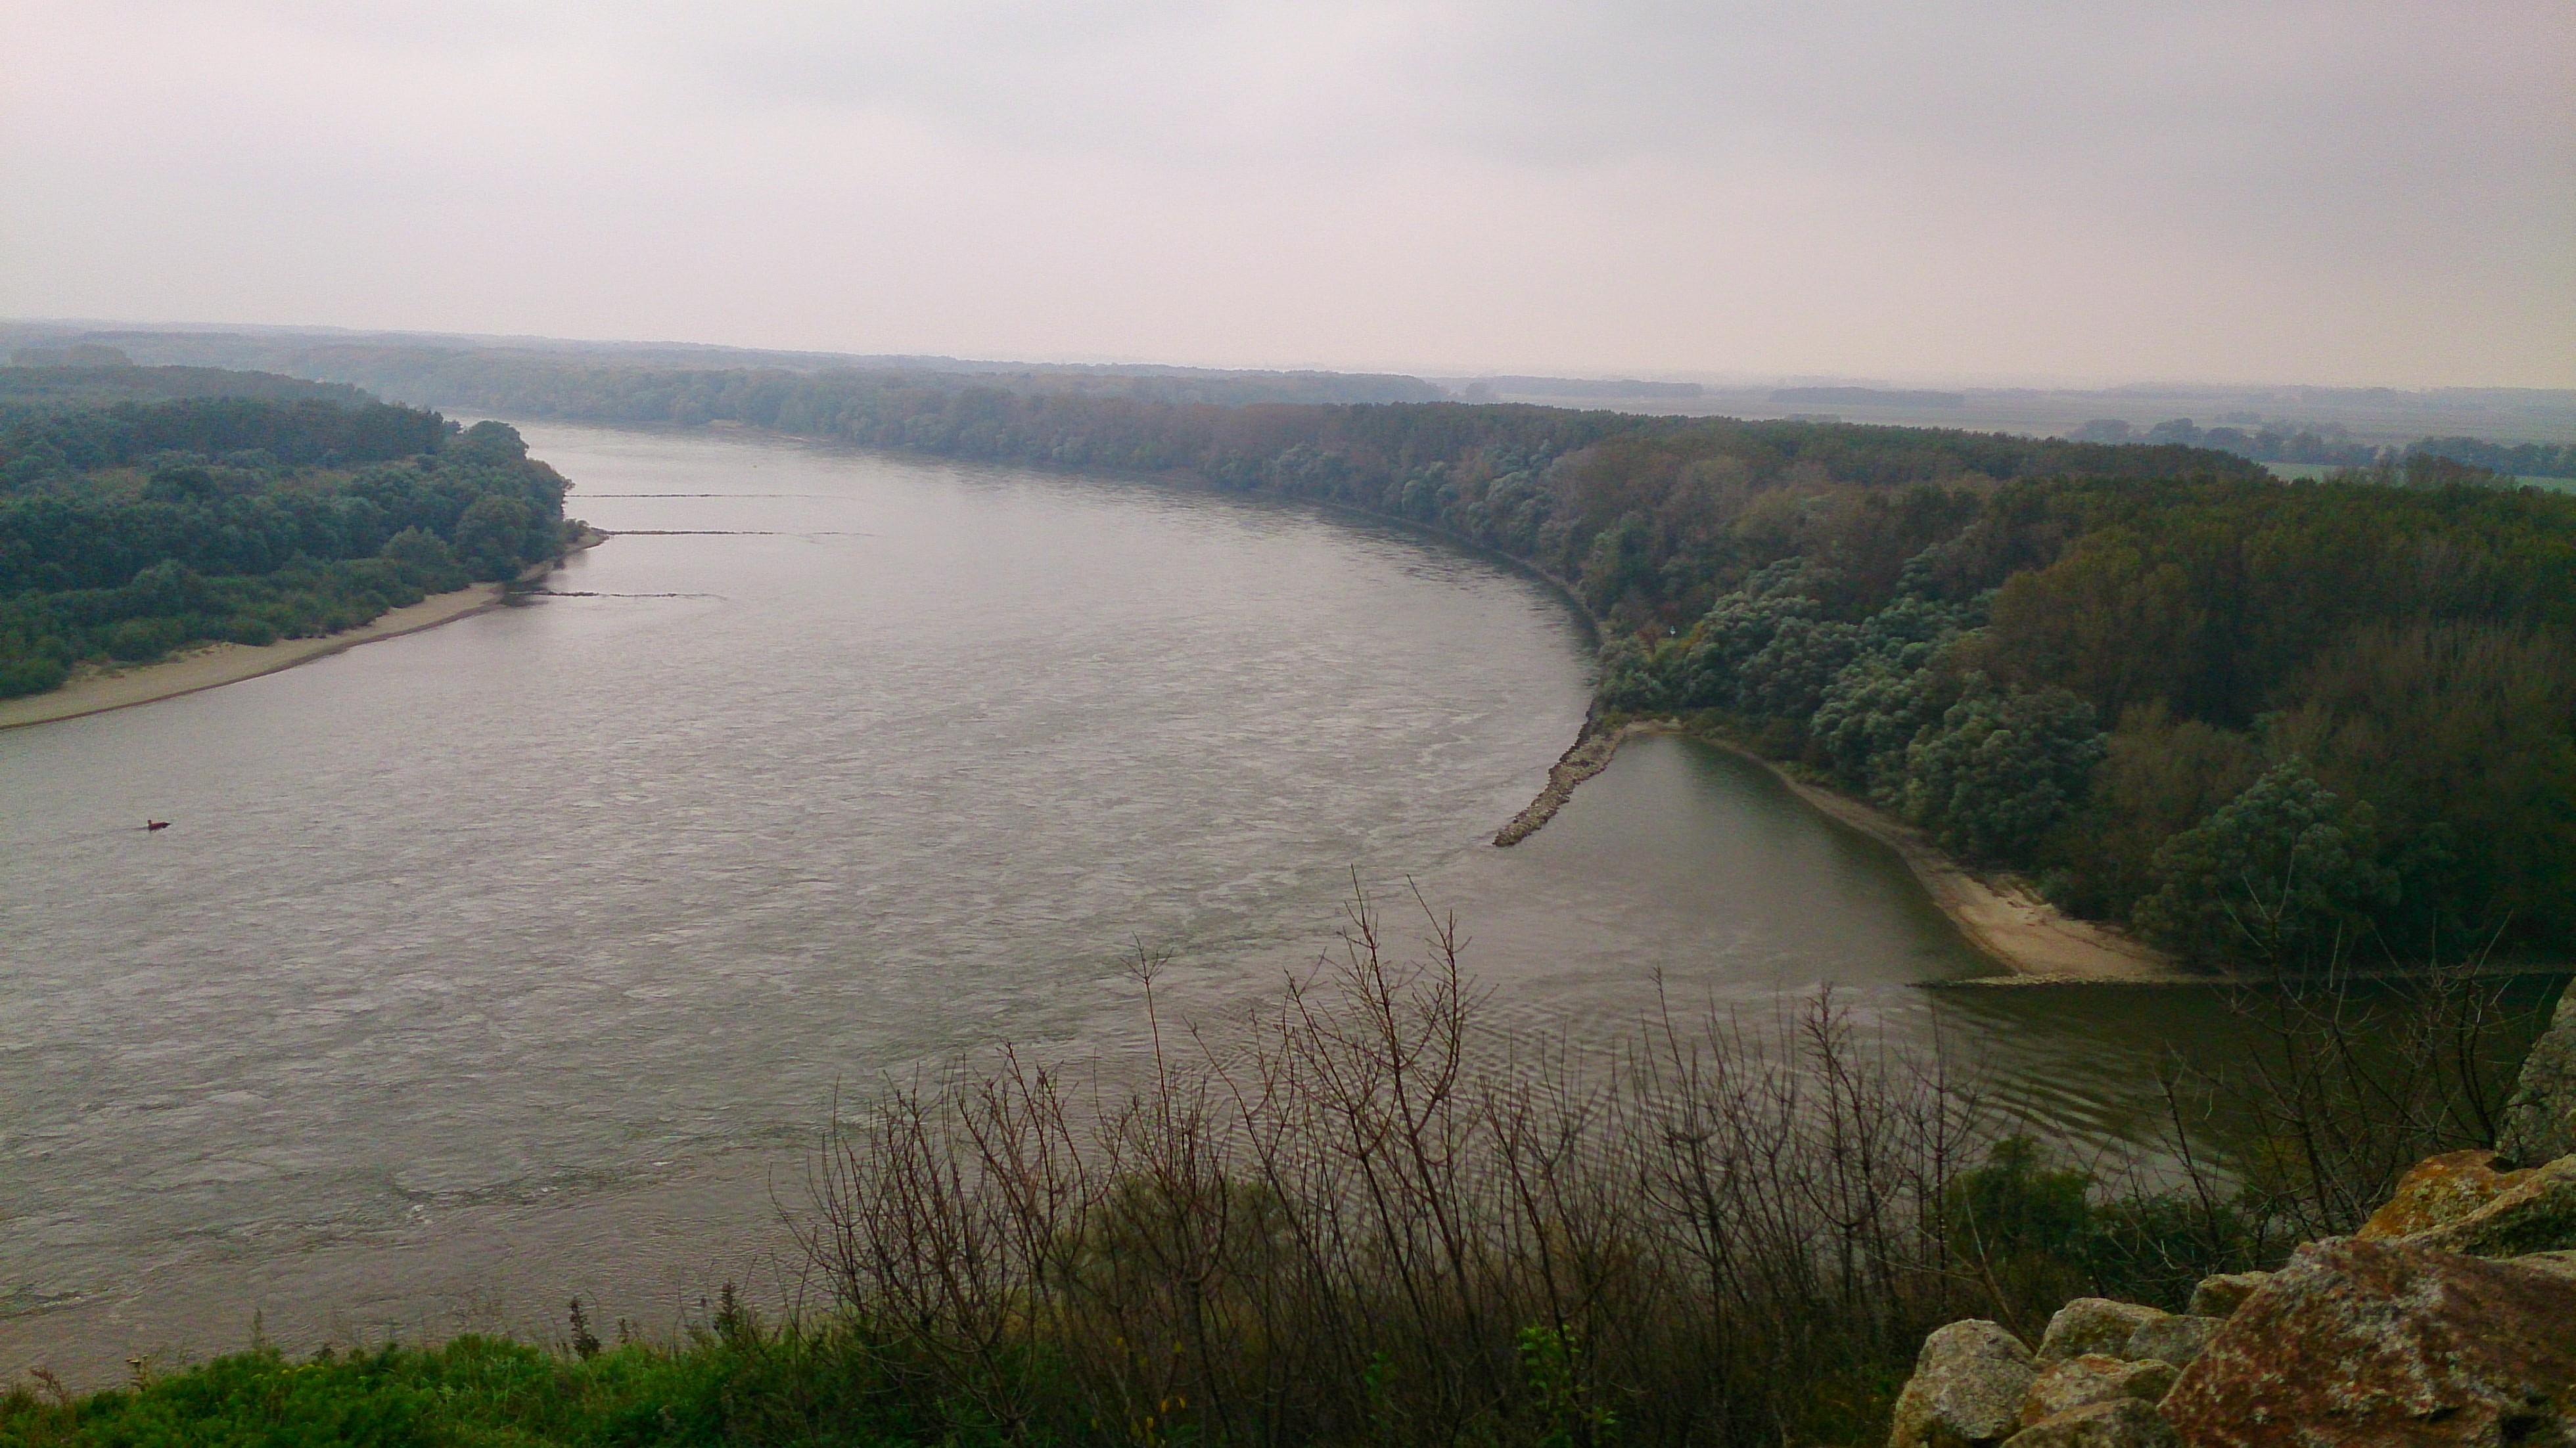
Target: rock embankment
x=1590, y=754
x=2450, y=1318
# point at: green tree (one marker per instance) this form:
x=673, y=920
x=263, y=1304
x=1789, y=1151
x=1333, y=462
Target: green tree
x=2284, y=873
x=492, y=536
x=2001, y=769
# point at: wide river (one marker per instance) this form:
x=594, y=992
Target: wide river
x=522, y=958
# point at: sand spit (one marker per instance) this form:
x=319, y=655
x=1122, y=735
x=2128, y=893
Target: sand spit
x=2003, y=919
x=218, y=664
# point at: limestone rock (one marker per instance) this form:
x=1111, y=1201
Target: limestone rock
x=2121, y=1423
x=2440, y=1189
x=2176, y=1338
x=2535, y=1214
x=2221, y=1295
x=2089, y=1378
x=2093, y=1324
x=1967, y=1387
x=2540, y=1116
x=2386, y=1343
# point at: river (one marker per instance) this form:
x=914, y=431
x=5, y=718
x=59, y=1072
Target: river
x=522, y=957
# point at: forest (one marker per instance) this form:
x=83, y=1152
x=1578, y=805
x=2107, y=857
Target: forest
x=2272, y=725
x=131, y=528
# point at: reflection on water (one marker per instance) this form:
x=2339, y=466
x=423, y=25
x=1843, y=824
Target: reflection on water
x=516, y=958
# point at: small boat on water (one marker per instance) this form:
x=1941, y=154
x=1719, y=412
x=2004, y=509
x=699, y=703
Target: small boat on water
x=150, y=825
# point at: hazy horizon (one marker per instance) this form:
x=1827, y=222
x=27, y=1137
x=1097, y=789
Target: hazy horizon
x=1970, y=194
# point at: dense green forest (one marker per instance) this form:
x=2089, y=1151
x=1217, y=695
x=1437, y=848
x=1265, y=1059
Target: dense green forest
x=2258, y=722
x=136, y=527
x=2255, y=721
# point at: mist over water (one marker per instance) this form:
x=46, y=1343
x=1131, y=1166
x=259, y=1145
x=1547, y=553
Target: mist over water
x=523, y=957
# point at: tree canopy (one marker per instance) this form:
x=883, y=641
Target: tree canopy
x=138, y=527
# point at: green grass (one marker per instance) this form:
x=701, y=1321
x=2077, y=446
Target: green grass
x=753, y=1388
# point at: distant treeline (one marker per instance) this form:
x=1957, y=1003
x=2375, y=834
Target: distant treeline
x=2528, y=460
x=2329, y=447
x=98, y=376
x=1870, y=396
x=136, y=528
x=447, y=373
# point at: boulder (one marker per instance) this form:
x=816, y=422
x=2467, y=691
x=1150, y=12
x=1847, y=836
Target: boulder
x=2221, y=1295
x=2093, y=1324
x=2387, y=1343
x=1967, y=1388
x=2176, y=1338
x=2556, y=1264
x=2089, y=1378
x=2535, y=1214
x=2121, y=1423
x=2540, y=1116
x=2440, y=1189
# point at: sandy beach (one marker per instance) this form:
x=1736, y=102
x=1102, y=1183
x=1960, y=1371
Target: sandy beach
x=219, y=664
x=215, y=665
x=2004, y=921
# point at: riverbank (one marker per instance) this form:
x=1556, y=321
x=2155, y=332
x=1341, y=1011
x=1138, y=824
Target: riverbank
x=2004, y=920
x=216, y=665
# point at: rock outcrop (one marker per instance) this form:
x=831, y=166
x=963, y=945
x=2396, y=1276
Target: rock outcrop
x=2448, y=1319
x=1968, y=1386
x=2540, y=1117
x=2093, y=1325
x=2537, y=1213
x=2081, y=1382
x=2094, y=1383
x=2440, y=1189
x=2221, y=1295
x=2122, y=1423
x=2171, y=1338
x=2387, y=1342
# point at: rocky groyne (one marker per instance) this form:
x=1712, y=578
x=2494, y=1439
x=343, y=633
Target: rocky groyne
x=1591, y=753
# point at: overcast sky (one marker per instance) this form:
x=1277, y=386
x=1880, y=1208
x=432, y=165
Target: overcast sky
x=2345, y=192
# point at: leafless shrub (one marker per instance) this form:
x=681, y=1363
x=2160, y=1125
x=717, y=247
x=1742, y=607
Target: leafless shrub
x=2351, y=1078
x=1368, y=1219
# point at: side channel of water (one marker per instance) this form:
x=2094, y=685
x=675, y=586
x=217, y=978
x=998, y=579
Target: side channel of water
x=522, y=958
